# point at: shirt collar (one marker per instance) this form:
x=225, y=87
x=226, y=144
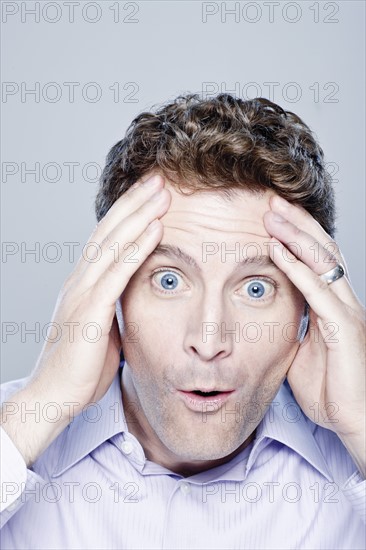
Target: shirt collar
x=283, y=422
x=96, y=424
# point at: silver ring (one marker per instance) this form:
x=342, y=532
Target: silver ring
x=333, y=274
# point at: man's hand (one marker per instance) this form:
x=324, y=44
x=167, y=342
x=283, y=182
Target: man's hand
x=327, y=375
x=76, y=370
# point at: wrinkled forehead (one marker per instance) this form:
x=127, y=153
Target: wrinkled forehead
x=210, y=213
x=214, y=227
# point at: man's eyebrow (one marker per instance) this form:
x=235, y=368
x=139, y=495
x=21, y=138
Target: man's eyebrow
x=173, y=251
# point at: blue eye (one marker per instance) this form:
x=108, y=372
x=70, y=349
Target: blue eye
x=166, y=280
x=256, y=289
x=259, y=290
x=169, y=281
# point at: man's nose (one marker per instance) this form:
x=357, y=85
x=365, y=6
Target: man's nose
x=211, y=330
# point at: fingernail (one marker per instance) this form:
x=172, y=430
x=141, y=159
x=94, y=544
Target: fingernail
x=278, y=217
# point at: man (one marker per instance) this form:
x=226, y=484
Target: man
x=235, y=418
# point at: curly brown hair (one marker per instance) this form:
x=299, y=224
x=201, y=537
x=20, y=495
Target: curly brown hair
x=222, y=143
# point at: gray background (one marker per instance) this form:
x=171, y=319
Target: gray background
x=151, y=52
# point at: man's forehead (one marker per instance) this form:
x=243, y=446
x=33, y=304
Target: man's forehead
x=211, y=228
x=206, y=212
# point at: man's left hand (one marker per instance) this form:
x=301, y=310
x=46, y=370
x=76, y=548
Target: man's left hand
x=327, y=375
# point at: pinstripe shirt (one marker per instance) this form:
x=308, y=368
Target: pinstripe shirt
x=295, y=486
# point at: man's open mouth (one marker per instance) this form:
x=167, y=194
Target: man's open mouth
x=198, y=399
x=206, y=394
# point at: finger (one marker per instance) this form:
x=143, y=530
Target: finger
x=316, y=292
x=130, y=201
x=115, y=278
x=302, y=218
x=97, y=258
x=303, y=245
x=120, y=249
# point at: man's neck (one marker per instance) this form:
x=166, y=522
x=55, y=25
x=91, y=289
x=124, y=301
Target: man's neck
x=187, y=469
x=157, y=452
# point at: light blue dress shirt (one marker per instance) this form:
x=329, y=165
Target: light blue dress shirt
x=295, y=486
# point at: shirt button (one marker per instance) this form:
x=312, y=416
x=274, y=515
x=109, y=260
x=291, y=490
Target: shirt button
x=127, y=447
x=185, y=488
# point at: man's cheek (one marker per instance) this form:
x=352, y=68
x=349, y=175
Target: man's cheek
x=269, y=357
x=146, y=341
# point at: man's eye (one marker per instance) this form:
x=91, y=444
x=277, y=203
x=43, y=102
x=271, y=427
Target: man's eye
x=257, y=289
x=166, y=280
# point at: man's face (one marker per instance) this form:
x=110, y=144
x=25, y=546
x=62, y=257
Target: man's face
x=225, y=320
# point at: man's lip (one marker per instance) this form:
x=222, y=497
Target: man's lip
x=206, y=390
x=201, y=403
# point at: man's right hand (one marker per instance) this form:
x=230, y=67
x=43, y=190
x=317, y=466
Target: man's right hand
x=79, y=368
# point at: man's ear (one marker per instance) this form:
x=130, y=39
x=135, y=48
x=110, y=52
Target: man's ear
x=304, y=324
